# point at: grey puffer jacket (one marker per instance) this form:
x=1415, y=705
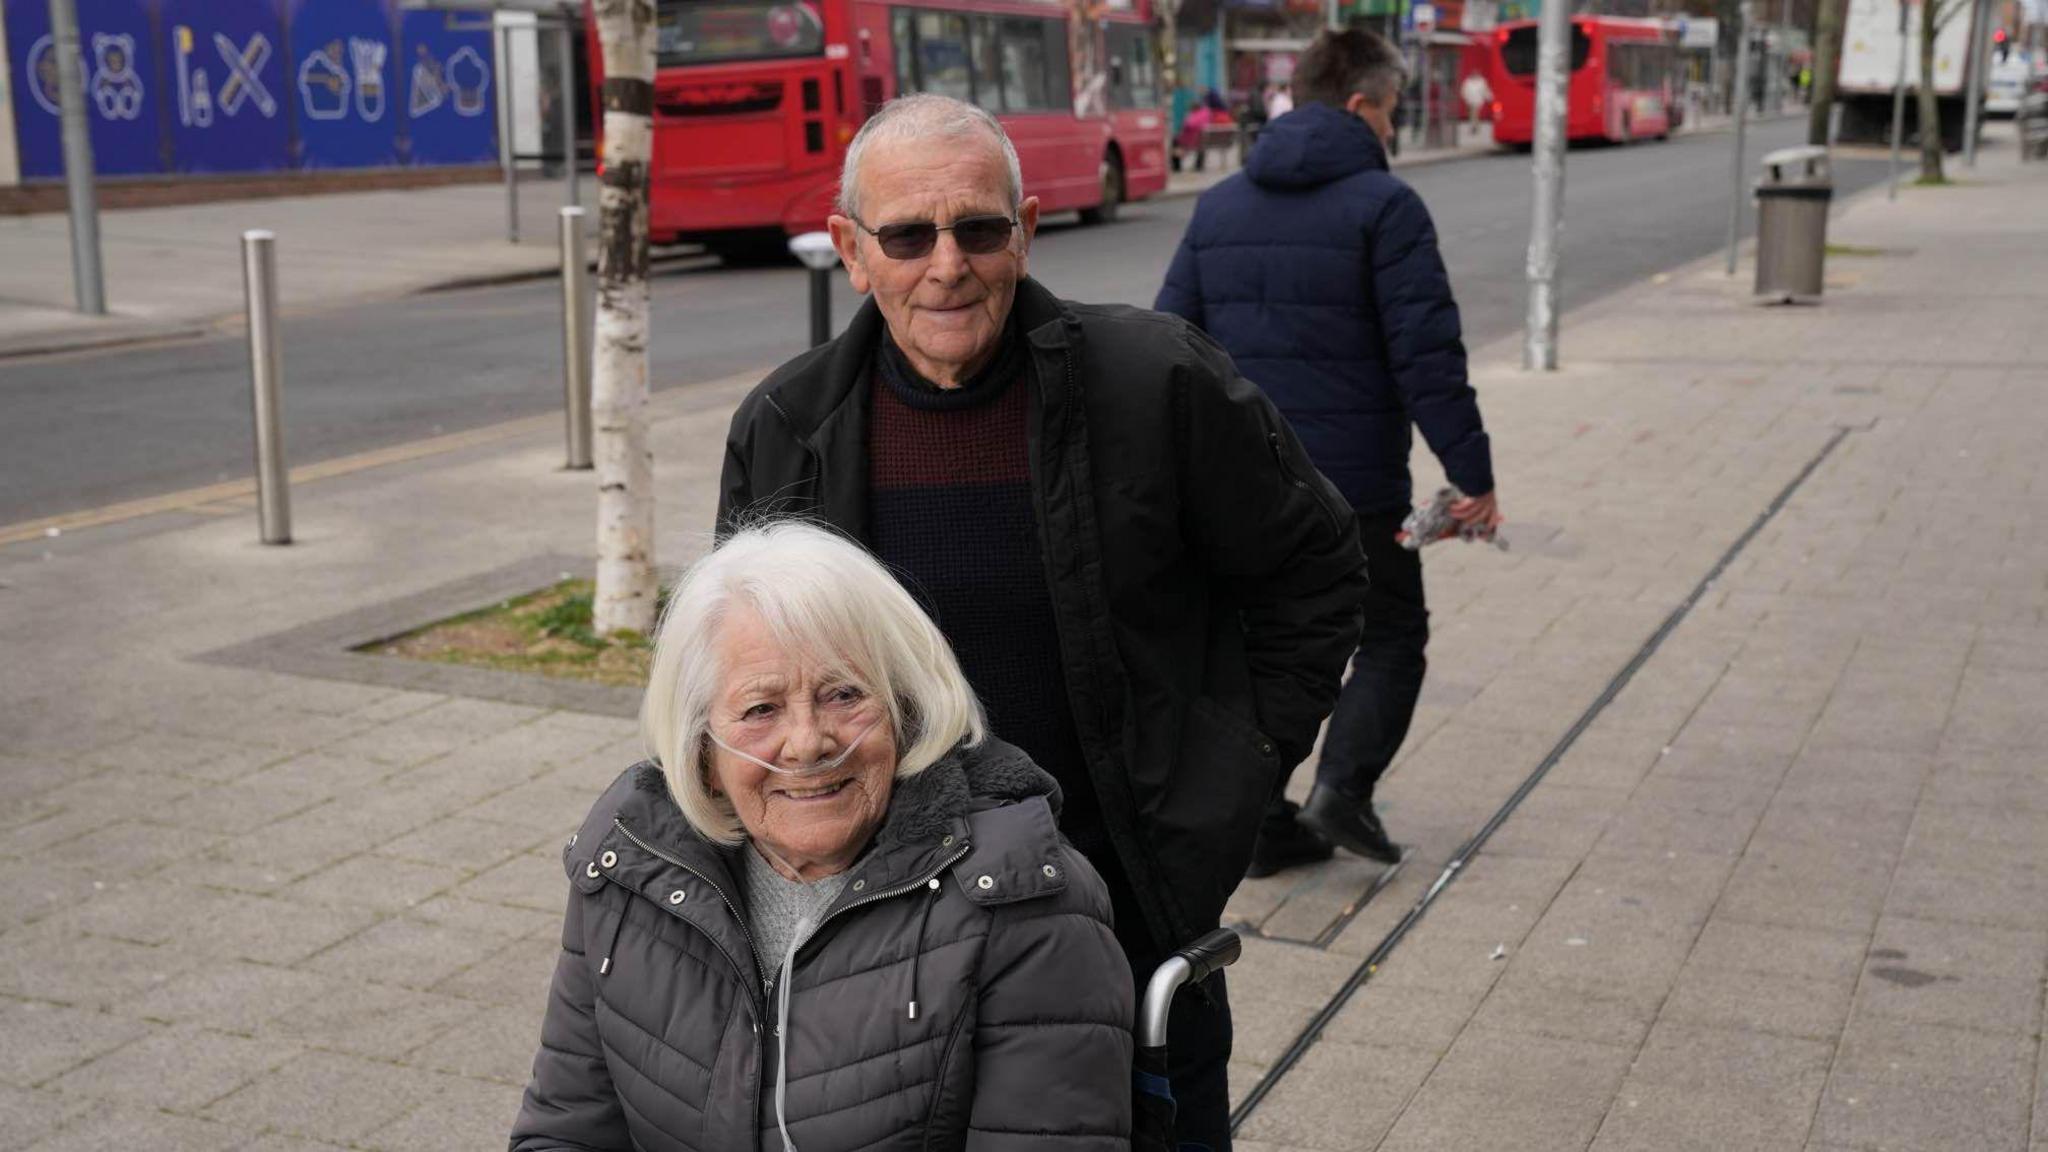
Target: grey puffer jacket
x=659, y=1036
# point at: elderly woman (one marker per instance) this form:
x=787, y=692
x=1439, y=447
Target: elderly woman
x=831, y=913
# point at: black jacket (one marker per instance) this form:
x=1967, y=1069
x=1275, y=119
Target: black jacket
x=1205, y=578
x=660, y=1037
x=1318, y=269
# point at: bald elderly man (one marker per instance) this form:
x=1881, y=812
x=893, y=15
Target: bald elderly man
x=1148, y=584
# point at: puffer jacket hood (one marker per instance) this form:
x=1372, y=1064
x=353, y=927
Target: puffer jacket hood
x=967, y=904
x=1313, y=145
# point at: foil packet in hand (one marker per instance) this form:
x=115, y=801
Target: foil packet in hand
x=1433, y=522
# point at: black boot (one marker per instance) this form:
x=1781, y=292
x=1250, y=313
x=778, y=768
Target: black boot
x=1349, y=823
x=1283, y=843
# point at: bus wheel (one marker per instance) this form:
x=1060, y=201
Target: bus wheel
x=1112, y=194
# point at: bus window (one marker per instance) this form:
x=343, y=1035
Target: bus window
x=1034, y=65
x=942, y=55
x=1518, y=53
x=1133, y=78
x=709, y=31
x=986, y=62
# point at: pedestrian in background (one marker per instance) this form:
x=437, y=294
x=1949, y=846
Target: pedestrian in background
x=1279, y=101
x=1318, y=270
x=1148, y=584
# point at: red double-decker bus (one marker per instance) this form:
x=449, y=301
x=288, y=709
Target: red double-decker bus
x=1624, y=81
x=755, y=102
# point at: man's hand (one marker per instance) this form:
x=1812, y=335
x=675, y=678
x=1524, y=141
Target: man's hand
x=1480, y=514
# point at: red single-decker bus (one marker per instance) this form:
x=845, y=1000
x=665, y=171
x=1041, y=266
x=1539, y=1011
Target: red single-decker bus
x=1623, y=86
x=755, y=102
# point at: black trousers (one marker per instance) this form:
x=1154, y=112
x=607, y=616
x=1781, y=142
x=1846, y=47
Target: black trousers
x=1377, y=703
x=1198, y=1029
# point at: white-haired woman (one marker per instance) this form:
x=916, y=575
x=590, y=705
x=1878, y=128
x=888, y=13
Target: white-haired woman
x=830, y=913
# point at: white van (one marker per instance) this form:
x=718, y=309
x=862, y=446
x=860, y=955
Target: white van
x=2010, y=79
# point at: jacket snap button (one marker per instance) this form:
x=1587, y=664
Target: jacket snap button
x=1051, y=871
x=985, y=883
x=590, y=870
x=678, y=896
x=932, y=884
x=608, y=859
x=859, y=885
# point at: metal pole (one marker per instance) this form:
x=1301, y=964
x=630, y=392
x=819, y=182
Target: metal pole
x=87, y=283
x=1331, y=15
x=576, y=334
x=505, y=148
x=1553, y=35
x=1980, y=57
x=1898, y=109
x=567, y=99
x=1741, y=134
x=266, y=381
x=1428, y=104
x=821, y=305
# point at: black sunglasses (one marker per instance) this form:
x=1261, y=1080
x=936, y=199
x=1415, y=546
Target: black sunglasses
x=976, y=236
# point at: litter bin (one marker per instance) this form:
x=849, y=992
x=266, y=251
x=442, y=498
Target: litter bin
x=1792, y=223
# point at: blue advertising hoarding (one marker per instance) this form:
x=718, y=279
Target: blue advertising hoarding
x=256, y=85
x=121, y=100
x=451, y=101
x=225, y=61
x=344, y=80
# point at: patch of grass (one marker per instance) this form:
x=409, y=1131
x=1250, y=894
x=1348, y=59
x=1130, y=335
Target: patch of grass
x=1855, y=250
x=548, y=633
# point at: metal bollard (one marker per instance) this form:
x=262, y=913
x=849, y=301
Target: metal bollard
x=816, y=251
x=266, y=380
x=576, y=337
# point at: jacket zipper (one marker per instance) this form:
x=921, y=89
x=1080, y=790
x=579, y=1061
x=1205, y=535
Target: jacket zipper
x=1287, y=474
x=747, y=978
x=729, y=905
x=906, y=886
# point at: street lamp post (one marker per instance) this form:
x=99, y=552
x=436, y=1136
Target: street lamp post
x=1539, y=340
x=86, y=281
x=1741, y=131
x=1898, y=109
x=1980, y=61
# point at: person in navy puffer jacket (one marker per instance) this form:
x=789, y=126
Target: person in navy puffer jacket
x=1317, y=270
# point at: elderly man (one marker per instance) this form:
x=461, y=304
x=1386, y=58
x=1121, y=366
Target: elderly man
x=1149, y=586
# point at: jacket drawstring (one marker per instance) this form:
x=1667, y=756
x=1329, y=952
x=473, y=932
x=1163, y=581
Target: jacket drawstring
x=605, y=968
x=803, y=929
x=924, y=918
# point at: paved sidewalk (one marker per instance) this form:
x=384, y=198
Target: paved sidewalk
x=1788, y=891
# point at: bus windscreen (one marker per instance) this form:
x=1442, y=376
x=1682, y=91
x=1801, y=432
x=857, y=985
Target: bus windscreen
x=1518, y=51
x=714, y=31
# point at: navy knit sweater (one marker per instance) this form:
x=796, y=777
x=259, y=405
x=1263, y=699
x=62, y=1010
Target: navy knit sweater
x=949, y=511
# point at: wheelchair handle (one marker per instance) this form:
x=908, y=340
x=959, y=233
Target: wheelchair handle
x=1190, y=965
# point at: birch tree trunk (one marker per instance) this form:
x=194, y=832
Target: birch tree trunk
x=626, y=584
x=1930, y=104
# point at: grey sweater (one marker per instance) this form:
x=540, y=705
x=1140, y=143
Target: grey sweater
x=777, y=907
